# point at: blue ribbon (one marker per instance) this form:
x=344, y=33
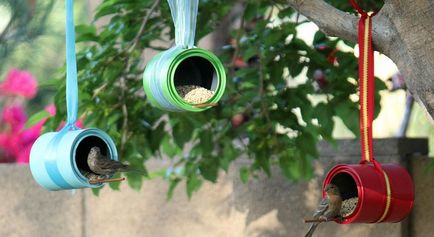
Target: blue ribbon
x=71, y=100
x=71, y=66
x=184, y=15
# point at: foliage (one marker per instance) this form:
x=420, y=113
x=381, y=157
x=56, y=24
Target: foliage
x=32, y=37
x=283, y=114
x=26, y=22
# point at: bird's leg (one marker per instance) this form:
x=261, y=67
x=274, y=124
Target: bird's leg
x=314, y=221
x=323, y=219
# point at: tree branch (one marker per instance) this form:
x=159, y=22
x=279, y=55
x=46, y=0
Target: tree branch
x=334, y=22
x=402, y=30
x=142, y=26
x=123, y=82
x=329, y=19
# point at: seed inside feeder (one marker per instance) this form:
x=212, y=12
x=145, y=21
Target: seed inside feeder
x=194, y=94
x=348, y=206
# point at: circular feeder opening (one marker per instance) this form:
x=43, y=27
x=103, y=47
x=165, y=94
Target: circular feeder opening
x=83, y=149
x=195, y=80
x=348, y=189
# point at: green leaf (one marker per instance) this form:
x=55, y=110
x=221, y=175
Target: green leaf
x=206, y=141
x=172, y=185
x=135, y=181
x=155, y=138
x=229, y=154
x=96, y=191
x=287, y=12
x=181, y=134
x=157, y=174
x=249, y=53
x=319, y=38
x=193, y=184
x=263, y=160
x=307, y=144
x=250, y=11
x=169, y=148
x=349, y=115
x=209, y=167
x=285, y=165
x=36, y=118
x=106, y=8
x=115, y=185
x=85, y=29
x=273, y=36
x=244, y=174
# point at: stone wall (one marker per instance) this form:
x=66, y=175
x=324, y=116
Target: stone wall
x=265, y=207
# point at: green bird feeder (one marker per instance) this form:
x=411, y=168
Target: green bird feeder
x=184, y=65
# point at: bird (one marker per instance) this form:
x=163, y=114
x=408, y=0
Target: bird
x=91, y=175
x=101, y=165
x=329, y=207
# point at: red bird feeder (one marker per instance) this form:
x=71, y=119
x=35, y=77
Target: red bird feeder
x=383, y=193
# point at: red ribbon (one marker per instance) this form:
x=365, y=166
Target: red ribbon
x=366, y=82
x=367, y=88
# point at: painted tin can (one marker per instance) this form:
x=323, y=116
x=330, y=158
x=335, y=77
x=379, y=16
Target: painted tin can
x=380, y=199
x=182, y=66
x=57, y=160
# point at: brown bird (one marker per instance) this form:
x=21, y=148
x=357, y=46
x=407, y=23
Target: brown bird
x=328, y=209
x=101, y=165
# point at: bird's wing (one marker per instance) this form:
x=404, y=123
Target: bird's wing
x=110, y=165
x=322, y=208
x=334, y=209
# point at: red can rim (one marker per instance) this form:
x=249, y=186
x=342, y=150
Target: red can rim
x=346, y=169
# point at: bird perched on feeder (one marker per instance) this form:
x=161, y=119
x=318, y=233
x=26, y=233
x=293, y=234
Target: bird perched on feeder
x=101, y=165
x=328, y=209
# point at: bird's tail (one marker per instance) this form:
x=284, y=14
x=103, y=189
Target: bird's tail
x=128, y=169
x=312, y=229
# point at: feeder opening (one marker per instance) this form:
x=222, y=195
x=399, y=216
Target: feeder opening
x=82, y=152
x=195, y=80
x=348, y=189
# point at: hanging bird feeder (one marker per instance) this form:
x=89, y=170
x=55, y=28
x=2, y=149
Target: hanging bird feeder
x=58, y=160
x=382, y=193
x=371, y=192
x=184, y=77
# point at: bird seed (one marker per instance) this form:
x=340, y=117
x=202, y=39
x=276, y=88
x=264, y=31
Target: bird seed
x=348, y=206
x=194, y=94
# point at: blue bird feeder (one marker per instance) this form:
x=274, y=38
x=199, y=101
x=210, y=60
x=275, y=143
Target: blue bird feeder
x=58, y=160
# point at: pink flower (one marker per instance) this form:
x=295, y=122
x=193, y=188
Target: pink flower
x=19, y=83
x=51, y=109
x=29, y=136
x=14, y=116
x=79, y=123
x=3, y=139
x=24, y=155
x=16, y=141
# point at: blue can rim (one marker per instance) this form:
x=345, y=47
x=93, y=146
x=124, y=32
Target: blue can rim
x=111, y=149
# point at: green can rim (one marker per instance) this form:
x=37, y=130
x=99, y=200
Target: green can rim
x=215, y=62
